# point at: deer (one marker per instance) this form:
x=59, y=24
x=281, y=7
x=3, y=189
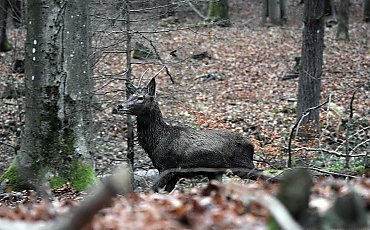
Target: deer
x=176, y=147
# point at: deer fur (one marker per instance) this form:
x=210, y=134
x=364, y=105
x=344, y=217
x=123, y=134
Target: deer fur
x=173, y=147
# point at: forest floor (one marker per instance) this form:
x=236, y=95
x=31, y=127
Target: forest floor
x=237, y=85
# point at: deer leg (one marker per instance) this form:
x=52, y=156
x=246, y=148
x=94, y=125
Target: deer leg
x=248, y=174
x=163, y=181
x=171, y=184
x=215, y=176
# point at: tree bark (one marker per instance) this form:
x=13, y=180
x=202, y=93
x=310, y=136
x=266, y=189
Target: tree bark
x=366, y=11
x=129, y=122
x=309, y=86
x=274, y=12
x=284, y=11
x=218, y=11
x=343, y=24
x=265, y=11
x=56, y=139
x=5, y=45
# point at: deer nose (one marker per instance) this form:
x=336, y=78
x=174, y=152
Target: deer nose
x=119, y=107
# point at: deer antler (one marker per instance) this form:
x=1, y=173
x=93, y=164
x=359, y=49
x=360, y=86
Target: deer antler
x=141, y=77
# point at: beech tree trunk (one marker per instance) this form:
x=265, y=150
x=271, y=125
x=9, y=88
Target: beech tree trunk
x=5, y=46
x=366, y=11
x=218, y=11
x=56, y=139
x=343, y=24
x=309, y=86
x=275, y=10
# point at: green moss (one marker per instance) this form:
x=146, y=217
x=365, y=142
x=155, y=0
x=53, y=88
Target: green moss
x=271, y=171
x=361, y=169
x=218, y=12
x=14, y=180
x=82, y=176
x=137, y=54
x=6, y=46
x=57, y=182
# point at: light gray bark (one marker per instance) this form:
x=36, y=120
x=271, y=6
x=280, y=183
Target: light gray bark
x=343, y=24
x=58, y=122
x=275, y=10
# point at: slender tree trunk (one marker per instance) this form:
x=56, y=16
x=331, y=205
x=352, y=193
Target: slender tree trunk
x=311, y=60
x=56, y=139
x=284, y=11
x=218, y=11
x=343, y=24
x=366, y=11
x=130, y=129
x=265, y=11
x=5, y=45
x=274, y=12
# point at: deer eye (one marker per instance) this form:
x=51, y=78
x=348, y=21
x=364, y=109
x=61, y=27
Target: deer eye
x=140, y=98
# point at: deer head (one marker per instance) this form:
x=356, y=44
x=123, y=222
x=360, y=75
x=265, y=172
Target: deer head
x=140, y=100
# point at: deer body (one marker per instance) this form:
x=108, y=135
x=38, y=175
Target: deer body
x=172, y=147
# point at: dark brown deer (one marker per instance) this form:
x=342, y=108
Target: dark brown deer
x=172, y=147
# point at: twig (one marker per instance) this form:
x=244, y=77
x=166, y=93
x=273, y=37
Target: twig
x=335, y=174
x=252, y=173
x=348, y=126
x=118, y=183
x=158, y=56
x=353, y=150
x=196, y=10
x=325, y=128
x=276, y=208
x=339, y=146
x=338, y=154
x=155, y=75
x=78, y=218
x=304, y=114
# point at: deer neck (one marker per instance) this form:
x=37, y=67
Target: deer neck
x=150, y=128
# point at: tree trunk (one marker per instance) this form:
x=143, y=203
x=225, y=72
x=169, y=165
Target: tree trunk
x=284, y=11
x=129, y=122
x=218, y=11
x=309, y=86
x=56, y=139
x=366, y=11
x=342, y=32
x=5, y=45
x=265, y=11
x=274, y=12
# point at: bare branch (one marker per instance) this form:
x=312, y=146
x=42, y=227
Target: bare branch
x=338, y=154
x=304, y=114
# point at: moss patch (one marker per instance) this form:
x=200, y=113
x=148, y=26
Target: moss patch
x=14, y=180
x=6, y=46
x=82, y=176
x=218, y=12
x=57, y=182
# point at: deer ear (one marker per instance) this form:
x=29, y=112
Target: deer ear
x=151, y=87
x=130, y=87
